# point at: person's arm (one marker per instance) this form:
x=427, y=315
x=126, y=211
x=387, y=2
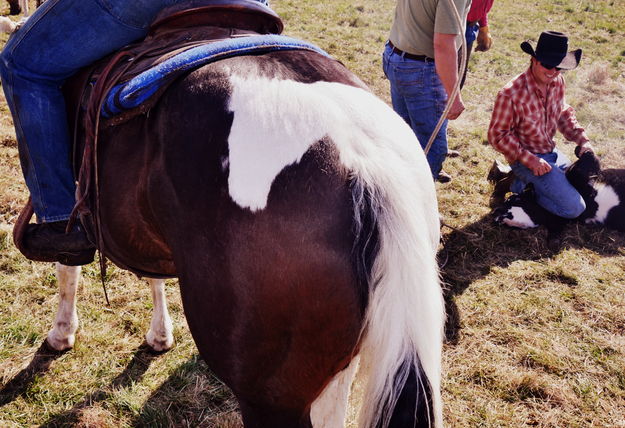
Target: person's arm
x=572, y=131
x=503, y=138
x=484, y=39
x=446, y=61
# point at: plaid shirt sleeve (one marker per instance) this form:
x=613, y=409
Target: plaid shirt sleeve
x=501, y=134
x=568, y=126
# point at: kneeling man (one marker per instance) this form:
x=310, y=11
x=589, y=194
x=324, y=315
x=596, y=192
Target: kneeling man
x=527, y=113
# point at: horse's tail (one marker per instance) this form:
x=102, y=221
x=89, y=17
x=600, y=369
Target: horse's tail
x=402, y=337
x=397, y=229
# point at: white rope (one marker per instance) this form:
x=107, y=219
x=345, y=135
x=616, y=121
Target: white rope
x=452, y=96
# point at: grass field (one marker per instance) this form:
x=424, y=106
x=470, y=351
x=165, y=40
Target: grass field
x=534, y=338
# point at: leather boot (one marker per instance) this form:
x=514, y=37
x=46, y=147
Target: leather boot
x=49, y=241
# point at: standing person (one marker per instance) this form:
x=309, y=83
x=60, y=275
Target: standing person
x=477, y=29
x=421, y=62
x=527, y=113
x=61, y=37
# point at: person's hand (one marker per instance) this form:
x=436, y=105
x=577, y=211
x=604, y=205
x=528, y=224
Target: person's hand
x=585, y=147
x=484, y=40
x=456, y=108
x=538, y=166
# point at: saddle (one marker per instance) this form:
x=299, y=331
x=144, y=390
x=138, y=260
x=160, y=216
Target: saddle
x=176, y=29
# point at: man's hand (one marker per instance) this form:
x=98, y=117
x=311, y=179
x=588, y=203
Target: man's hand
x=484, y=40
x=538, y=166
x=585, y=147
x=456, y=109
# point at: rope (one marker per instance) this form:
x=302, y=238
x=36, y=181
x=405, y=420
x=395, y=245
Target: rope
x=454, y=92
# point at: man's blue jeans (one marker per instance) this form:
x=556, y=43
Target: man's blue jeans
x=470, y=33
x=553, y=190
x=419, y=97
x=61, y=37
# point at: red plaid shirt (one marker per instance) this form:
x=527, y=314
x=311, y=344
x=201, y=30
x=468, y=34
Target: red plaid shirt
x=524, y=121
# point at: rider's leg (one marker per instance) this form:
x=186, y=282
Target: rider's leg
x=61, y=37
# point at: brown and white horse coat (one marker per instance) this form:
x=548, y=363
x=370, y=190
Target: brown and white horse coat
x=298, y=212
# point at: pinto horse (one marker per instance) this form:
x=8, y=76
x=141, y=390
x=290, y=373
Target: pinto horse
x=299, y=214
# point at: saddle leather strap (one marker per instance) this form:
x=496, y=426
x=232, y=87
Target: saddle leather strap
x=20, y=227
x=89, y=169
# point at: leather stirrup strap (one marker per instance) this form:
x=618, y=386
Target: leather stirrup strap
x=20, y=228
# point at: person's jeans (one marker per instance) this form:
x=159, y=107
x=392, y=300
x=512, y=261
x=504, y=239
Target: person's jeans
x=553, y=190
x=419, y=97
x=470, y=35
x=470, y=32
x=61, y=37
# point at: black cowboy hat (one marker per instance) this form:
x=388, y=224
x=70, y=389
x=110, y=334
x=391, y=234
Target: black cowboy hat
x=551, y=50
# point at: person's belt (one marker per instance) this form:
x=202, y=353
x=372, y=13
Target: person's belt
x=423, y=58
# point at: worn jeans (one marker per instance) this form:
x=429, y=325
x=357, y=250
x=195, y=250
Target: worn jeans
x=419, y=97
x=61, y=37
x=553, y=190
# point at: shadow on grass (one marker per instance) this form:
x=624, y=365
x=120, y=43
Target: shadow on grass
x=133, y=373
x=39, y=365
x=191, y=396
x=470, y=253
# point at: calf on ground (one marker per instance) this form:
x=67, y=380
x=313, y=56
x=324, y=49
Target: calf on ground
x=603, y=192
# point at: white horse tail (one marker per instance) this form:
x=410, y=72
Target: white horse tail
x=405, y=314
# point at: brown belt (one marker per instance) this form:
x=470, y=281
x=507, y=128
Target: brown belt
x=423, y=58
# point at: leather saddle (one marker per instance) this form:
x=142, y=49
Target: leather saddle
x=174, y=30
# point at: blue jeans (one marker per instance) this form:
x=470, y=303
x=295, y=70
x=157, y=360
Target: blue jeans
x=553, y=191
x=419, y=98
x=61, y=37
x=471, y=33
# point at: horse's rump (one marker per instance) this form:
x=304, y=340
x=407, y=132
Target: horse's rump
x=298, y=213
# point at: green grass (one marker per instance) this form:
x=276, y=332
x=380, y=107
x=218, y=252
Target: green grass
x=534, y=338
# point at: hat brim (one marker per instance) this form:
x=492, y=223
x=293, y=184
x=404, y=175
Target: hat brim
x=528, y=48
x=569, y=62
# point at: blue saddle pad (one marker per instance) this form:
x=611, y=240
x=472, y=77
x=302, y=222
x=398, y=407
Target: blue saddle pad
x=134, y=92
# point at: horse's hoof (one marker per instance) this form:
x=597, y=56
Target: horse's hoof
x=60, y=344
x=159, y=344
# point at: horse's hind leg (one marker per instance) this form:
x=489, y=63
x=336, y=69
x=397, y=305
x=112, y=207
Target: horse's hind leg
x=62, y=335
x=330, y=408
x=159, y=337
x=266, y=416
x=413, y=408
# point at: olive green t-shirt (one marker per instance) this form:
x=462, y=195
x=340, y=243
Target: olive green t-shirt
x=416, y=21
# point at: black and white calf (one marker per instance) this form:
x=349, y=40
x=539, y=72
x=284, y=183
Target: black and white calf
x=602, y=190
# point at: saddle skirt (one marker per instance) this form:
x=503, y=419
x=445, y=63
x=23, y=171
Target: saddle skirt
x=170, y=49
x=135, y=93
